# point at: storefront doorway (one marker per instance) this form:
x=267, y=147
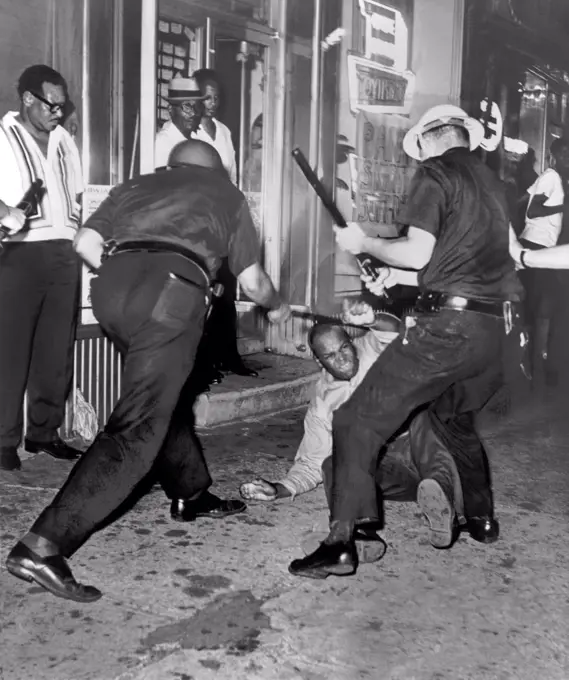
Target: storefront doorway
x=190, y=39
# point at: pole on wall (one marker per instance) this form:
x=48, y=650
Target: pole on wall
x=148, y=84
x=274, y=150
x=85, y=99
x=314, y=149
x=274, y=162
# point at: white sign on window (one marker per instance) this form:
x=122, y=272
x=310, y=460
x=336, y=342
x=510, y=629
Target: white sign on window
x=386, y=37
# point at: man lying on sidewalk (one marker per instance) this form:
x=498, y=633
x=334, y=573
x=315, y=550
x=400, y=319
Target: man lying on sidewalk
x=416, y=467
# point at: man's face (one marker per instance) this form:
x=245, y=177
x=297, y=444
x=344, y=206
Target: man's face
x=211, y=102
x=44, y=116
x=187, y=115
x=561, y=157
x=336, y=354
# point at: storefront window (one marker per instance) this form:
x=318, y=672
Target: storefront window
x=533, y=114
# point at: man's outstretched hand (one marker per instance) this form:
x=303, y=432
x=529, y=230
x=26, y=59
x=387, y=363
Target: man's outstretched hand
x=262, y=490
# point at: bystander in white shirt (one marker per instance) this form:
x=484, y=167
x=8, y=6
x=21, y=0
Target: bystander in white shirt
x=169, y=136
x=545, y=230
x=223, y=144
x=166, y=139
x=22, y=162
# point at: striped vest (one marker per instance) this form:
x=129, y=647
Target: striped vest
x=58, y=213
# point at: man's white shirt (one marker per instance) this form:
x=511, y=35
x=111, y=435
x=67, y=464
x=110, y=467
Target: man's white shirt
x=223, y=144
x=545, y=230
x=166, y=139
x=169, y=136
x=22, y=161
x=316, y=445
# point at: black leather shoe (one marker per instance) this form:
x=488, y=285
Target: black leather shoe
x=483, y=529
x=339, y=559
x=369, y=544
x=239, y=368
x=9, y=459
x=57, y=449
x=207, y=505
x=52, y=573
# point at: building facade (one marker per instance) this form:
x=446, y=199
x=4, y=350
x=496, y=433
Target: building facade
x=340, y=79
x=516, y=77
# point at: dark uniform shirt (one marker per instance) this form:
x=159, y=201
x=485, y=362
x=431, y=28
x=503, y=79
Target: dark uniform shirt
x=460, y=201
x=194, y=207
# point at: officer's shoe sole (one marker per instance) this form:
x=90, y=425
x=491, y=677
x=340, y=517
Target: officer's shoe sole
x=439, y=513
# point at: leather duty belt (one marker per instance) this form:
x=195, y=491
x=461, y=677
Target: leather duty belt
x=431, y=301
x=113, y=248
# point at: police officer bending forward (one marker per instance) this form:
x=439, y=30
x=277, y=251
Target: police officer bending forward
x=167, y=233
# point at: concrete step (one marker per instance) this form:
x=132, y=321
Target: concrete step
x=284, y=382
x=248, y=345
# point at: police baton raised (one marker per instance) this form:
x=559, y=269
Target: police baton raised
x=369, y=265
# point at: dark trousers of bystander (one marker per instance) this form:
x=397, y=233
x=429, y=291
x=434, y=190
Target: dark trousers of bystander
x=153, y=307
x=452, y=360
x=39, y=289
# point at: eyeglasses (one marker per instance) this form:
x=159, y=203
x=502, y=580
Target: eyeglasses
x=192, y=107
x=53, y=107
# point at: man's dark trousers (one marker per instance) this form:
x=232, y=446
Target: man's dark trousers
x=39, y=294
x=457, y=353
x=408, y=459
x=219, y=349
x=156, y=320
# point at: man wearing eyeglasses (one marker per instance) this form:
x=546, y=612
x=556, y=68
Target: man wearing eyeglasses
x=186, y=110
x=39, y=271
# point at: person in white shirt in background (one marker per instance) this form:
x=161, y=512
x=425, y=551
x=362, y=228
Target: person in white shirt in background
x=212, y=130
x=218, y=351
x=39, y=270
x=544, y=217
x=186, y=109
x=416, y=467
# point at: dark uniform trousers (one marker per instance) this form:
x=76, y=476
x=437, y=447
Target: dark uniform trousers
x=156, y=321
x=452, y=360
x=39, y=289
x=218, y=348
x=418, y=454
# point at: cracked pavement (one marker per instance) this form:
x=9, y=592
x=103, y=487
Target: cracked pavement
x=213, y=599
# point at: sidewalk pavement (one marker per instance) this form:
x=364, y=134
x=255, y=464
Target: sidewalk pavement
x=214, y=599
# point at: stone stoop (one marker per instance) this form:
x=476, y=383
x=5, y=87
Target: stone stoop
x=283, y=383
x=248, y=345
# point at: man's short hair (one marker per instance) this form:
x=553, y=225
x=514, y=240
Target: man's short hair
x=34, y=77
x=460, y=132
x=558, y=144
x=318, y=331
x=206, y=76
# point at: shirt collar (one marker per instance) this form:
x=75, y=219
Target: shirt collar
x=10, y=120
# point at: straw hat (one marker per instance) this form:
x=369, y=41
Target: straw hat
x=183, y=90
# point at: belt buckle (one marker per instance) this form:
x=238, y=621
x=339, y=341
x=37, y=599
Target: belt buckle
x=109, y=248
